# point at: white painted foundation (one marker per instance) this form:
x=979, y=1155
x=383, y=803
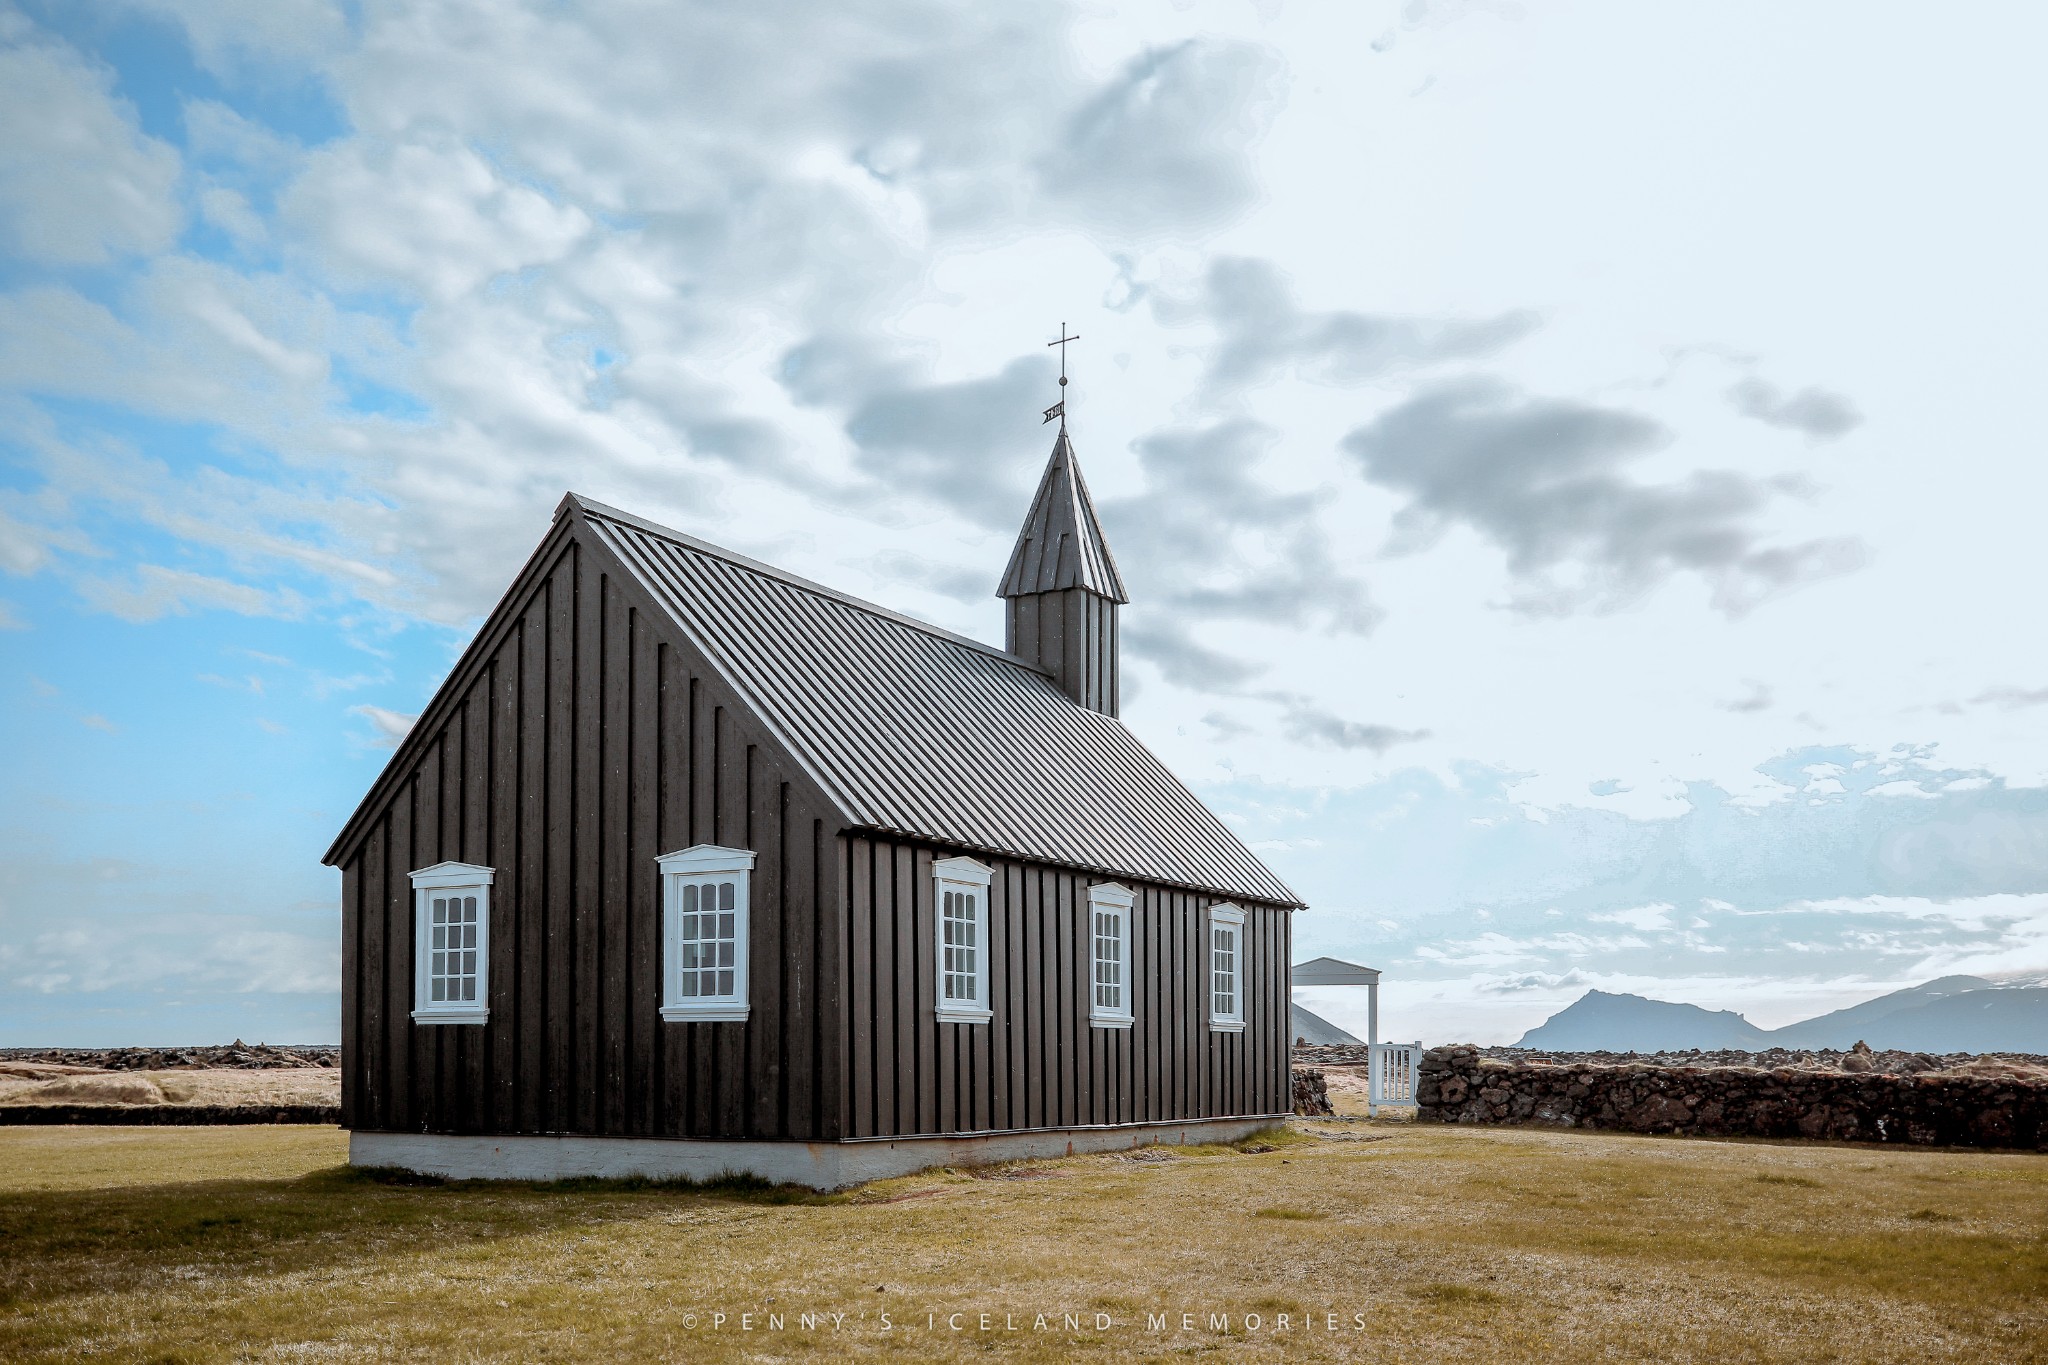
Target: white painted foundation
x=820, y=1165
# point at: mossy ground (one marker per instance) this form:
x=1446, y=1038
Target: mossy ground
x=1511, y=1245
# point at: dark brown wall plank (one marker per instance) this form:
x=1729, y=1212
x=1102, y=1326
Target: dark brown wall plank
x=766, y=1019
x=473, y=1051
x=796, y=1104
x=643, y=893
x=735, y=1084
x=398, y=940
x=1038, y=966
x=530, y=912
x=508, y=911
x=612, y=909
x=863, y=949
x=586, y=929
x=351, y=987
x=832, y=1049
x=893, y=891
x=558, y=1004
x=1017, y=1020
x=674, y=779
x=372, y=1066
x=423, y=1089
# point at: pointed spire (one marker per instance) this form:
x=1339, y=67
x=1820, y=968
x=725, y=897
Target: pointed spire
x=1062, y=545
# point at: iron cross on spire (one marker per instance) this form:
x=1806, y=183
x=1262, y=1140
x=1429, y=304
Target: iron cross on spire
x=1059, y=409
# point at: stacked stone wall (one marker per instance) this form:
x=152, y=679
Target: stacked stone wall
x=1311, y=1092
x=1459, y=1085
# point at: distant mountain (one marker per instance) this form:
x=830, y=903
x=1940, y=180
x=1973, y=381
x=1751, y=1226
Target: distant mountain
x=1317, y=1029
x=1949, y=1014
x=1844, y=1028
x=1598, y=1021
x=1996, y=1019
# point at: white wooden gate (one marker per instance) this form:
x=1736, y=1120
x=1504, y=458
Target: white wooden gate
x=1391, y=1075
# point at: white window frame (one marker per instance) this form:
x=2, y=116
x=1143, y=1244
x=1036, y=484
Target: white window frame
x=961, y=875
x=1229, y=917
x=1117, y=900
x=441, y=879
x=697, y=865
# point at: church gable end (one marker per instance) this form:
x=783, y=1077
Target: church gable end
x=579, y=738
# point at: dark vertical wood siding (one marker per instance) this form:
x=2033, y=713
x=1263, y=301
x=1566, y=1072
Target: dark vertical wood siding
x=1039, y=1063
x=580, y=738
x=576, y=742
x=1072, y=634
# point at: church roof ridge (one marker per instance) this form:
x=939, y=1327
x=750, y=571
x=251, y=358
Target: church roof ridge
x=592, y=507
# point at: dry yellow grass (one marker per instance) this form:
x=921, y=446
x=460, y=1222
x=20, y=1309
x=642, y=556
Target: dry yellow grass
x=233, y=1244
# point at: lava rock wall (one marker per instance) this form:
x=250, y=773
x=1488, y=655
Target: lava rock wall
x=1311, y=1092
x=1458, y=1085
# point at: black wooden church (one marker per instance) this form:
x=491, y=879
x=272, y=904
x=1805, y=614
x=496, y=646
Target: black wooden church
x=694, y=866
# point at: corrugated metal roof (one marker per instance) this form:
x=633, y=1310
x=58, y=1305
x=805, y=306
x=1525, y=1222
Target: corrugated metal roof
x=916, y=730
x=1062, y=545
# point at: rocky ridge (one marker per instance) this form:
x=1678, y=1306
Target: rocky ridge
x=235, y=1056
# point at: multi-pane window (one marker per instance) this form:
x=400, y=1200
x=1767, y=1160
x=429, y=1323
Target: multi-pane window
x=1109, y=960
x=959, y=943
x=707, y=940
x=960, y=897
x=1109, y=956
x=1223, y=971
x=704, y=933
x=451, y=947
x=1226, y=968
x=451, y=944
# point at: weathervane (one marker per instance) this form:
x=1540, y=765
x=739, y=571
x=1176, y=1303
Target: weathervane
x=1059, y=409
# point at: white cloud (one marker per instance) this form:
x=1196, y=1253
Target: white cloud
x=1496, y=949
x=229, y=36
x=1643, y=918
x=79, y=182
x=430, y=216
x=154, y=591
x=392, y=726
x=1971, y=913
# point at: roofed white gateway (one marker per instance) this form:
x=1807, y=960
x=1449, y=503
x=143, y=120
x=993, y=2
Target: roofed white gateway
x=914, y=730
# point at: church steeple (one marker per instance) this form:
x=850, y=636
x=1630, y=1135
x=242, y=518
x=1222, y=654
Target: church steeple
x=1062, y=588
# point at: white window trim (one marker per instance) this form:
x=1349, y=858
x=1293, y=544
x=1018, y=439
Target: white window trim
x=1110, y=896
x=961, y=874
x=450, y=877
x=1233, y=916
x=678, y=868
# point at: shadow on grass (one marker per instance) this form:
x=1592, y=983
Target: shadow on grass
x=748, y=1189
x=59, y=1243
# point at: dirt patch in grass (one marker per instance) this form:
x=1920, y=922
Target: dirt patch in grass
x=1489, y=1245
x=1452, y=1294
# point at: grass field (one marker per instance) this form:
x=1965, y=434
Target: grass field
x=1453, y=1244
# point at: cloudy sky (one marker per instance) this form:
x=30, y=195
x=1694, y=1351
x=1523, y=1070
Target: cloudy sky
x=1574, y=464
